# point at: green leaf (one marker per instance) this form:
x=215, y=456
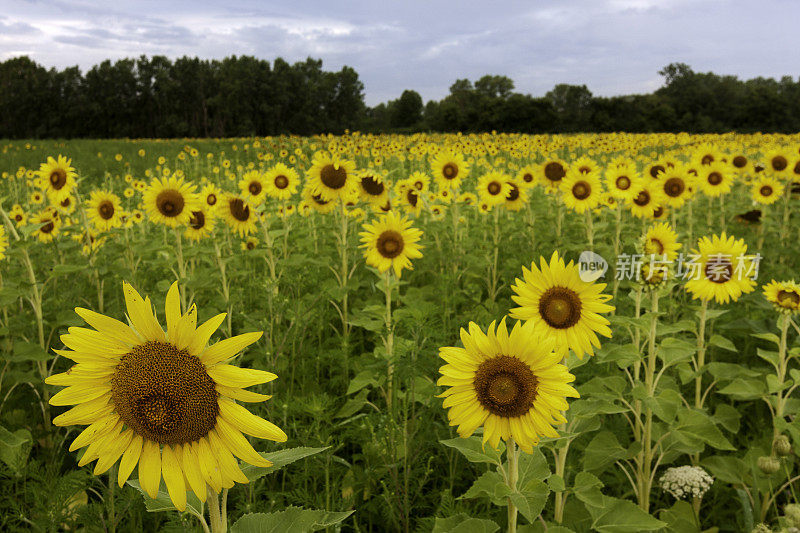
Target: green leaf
x=602, y=451
x=556, y=483
x=622, y=354
x=665, y=406
x=771, y=337
x=680, y=518
x=353, y=405
x=279, y=459
x=361, y=380
x=769, y=356
x=294, y=519
x=721, y=342
x=489, y=485
x=473, y=449
x=462, y=523
x=745, y=389
x=14, y=448
x=726, y=468
x=591, y=407
x=531, y=498
x=728, y=417
x=162, y=501
x=532, y=466
x=673, y=351
x=696, y=427
x=28, y=351
x=622, y=516
x=663, y=329
x=728, y=371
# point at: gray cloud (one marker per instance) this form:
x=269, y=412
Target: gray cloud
x=612, y=46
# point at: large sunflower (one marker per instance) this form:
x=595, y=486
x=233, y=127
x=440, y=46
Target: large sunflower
x=252, y=186
x=332, y=178
x=720, y=269
x=164, y=400
x=390, y=242
x=449, y=168
x=104, y=210
x=57, y=177
x=783, y=295
x=620, y=181
x=647, y=196
x=170, y=201
x=281, y=181
x=677, y=185
x=237, y=213
x=493, y=187
x=766, y=190
x=581, y=191
x=778, y=159
x=511, y=384
x=715, y=179
x=562, y=306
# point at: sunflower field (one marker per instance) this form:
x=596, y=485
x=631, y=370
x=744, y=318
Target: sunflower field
x=375, y=333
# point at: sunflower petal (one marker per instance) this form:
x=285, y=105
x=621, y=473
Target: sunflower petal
x=227, y=348
x=203, y=333
x=173, y=478
x=246, y=422
x=150, y=468
x=129, y=459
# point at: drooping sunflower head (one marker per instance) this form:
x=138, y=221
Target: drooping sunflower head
x=166, y=400
x=238, y=213
x=201, y=224
x=170, y=201
x=783, y=295
x=449, y=169
x=252, y=186
x=562, y=306
x=104, y=210
x=493, y=187
x=661, y=240
x=766, y=189
x=721, y=269
x=513, y=384
x=581, y=191
x=391, y=242
x=332, y=178
x=49, y=225
x=517, y=196
x=57, y=177
x=281, y=181
x=372, y=187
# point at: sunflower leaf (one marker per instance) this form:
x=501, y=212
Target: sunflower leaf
x=474, y=450
x=289, y=519
x=462, y=523
x=279, y=459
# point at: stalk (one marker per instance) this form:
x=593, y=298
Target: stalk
x=511, y=480
x=388, y=341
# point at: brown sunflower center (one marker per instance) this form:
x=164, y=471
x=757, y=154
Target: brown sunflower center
x=390, y=244
x=642, y=199
x=281, y=182
x=513, y=194
x=788, y=298
x=450, y=171
x=765, y=190
x=412, y=197
x=581, y=190
x=164, y=394
x=170, y=203
x=58, y=178
x=505, y=386
x=719, y=269
x=239, y=210
x=250, y=245
x=674, y=187
x=333, y=177
x=106, y=210
x=66, y=202
x=623, y=183
x=527, y=177
x=211, y=199
x=655, y=169
x=739, y=161
x=48, y=227
x=654, y=246
x=707, y=159
x=197, y=220
x=714, y=178
x=797, y=168
x=779, y=163
x=254, y=188
x=560, y=307
x=18, y=217
x=554, y=171
x=494, y=188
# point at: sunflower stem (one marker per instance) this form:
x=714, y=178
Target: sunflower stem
x=388, y=341
x=783, y=364
x=617, y=234
x=701, y=356
x=590, y=229
x=512, y=454
x=646, y=458
x=217, y=523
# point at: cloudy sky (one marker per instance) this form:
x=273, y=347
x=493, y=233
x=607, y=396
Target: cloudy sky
x=613, y=46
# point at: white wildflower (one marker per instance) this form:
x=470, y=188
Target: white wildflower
x=685, y=481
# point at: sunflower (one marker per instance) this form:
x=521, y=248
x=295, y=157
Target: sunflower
x=66, y=206
x=526, y=177
x=676, y=184
x=201, y=224
x=252, y=186
x=316, y=202
x=18, y=215
x=332, y=178
x=493, y=187
x=647, y=196
x=512, y=384
x=408, y=198
x=50, y=224
x=720, y=269
x=170, y=201
x=654, y=169
x=104, y=210
x=281, y=181
x=766, y=190
x=57, y=177
x=237, y=213
x=449, y=169
x=372, y=188
x=3, y=242
x=420, y=181
x=551, y=172
x=705, y=154
x=739, y=161
x=37, y=197
x=586, y=165
x=210, y=195
x=715, y=179
x=777, y=160
x=661, y=240
x=517, y=196
x=251, y=243
x=562, y=306
x=164, y=400
x=468, y=198
x=621, y=181
x=783, y=295
x=581, y=191
x=390, y=242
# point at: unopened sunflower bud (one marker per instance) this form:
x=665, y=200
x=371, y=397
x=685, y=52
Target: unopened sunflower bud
x=768, y=464
x=782, y=446
x=792, y=513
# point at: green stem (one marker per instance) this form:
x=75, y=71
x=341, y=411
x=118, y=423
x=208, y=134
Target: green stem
x=214, y=515
x=512, y=454
x=701, y=356
x=388, y=341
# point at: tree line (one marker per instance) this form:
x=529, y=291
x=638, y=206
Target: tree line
x=245, y=96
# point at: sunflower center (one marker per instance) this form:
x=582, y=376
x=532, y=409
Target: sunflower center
x=527, y=177
x=254, y=188
x=197, y=220
x=788, y=298
x=623, y=183
x=505, y=386
x=581, y=190
x=48, y=228
x=719, y=270
x=239, y=210
x=164, y=394
x=654, y=246
x=707, y=159
x=715, y=178
x=513, y=194
x=390, y=244
x=560, y=307
x=554, y=171
x=412, y=197
x=106, y=210
x=765, y=190
x=211, y=199
x=333, y=177
x=739, y=161
x=281, y=182
x=66, y=202
x=655, y=169
x=642, y=199
x=58, y=178
x=372, y=186
x=170, y=203
x=658, y=211
x=494, y=188
x=674, y=187
x=779, y=163
x=18, y=217
x=450, y=171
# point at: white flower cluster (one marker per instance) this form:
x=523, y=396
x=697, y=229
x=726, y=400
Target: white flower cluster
x=685, y=481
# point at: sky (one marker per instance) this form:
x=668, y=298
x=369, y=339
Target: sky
x=613, y=46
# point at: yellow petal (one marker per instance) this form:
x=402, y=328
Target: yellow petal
x=238, y=445
x=173, y=478
x=172, y=309
x=96, y=429
x=227, y=461
x=79, y=394
x=203, y=333
x=225, y=349
x=141, y=315
x=129, y=459
x=185, y=328
x=110, y=456
x=208, y=464
x=150, y=468
x=85, y=413
x=233, y=376
x=191, y=469
x=246, y=422
x=111, y=327
x=241, y=394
